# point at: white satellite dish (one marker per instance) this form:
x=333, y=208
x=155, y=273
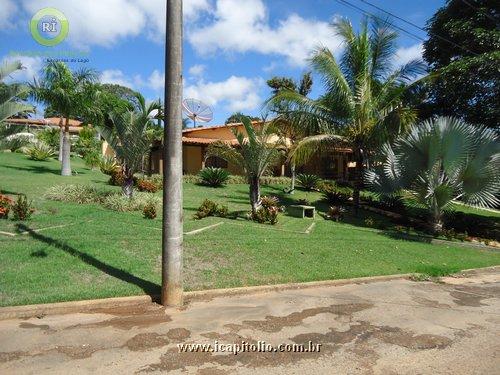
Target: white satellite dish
x=196, y=110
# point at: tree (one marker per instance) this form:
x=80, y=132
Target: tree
x=362, y=105
x=255, y=154
x=238, y=117
x=68, y=93
x=438, y=161
x=467, y=82
x=10, y=103
x=129, y=139
x=290, y=131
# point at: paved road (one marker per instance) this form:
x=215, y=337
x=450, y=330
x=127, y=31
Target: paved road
x=394, y=327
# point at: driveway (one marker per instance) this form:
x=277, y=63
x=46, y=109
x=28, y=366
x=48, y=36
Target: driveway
x=391, y=327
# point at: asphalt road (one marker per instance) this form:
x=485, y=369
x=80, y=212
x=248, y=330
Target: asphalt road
x=391, y=327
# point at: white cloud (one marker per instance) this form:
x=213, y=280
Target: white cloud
x=9, y=10
x=105, y=22
x=156, y=80
x=197, y=71
x=243, y=26
x=116, y=77
x=31, y=68
x=406, y=54
x=235, y=93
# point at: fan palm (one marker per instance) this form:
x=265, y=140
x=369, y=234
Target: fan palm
x=68, y=93
x=129, y=139
x=441, y=160
x=362, y=105
x=9, y=105
x=255, y=154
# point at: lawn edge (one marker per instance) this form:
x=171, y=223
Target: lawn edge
x=37, y=310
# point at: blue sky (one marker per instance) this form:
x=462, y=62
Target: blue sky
x=231, y=46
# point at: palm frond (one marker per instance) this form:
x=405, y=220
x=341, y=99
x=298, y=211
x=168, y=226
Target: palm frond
x=309, y=146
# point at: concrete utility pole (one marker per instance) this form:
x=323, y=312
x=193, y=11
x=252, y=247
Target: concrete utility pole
x=171, y=288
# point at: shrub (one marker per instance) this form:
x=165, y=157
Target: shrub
x=39, y=151
x=119, y=202
x=210, y=208
x=23, y=208
x=76, y=193
x=192, y=179
x=336, y=195
x=303, y=202
x=5, y=206
x=214, y=177
x=117, y=178
x=149, y=211
x=17, y=142
x=108, y=165
x=308, y=181
x=268, y=212
x=369, y=222
x=392, y=203
x=271, y=180
x=147, y=186
x=50, y=136
x=92, y=159
x=86, y=142
x=335, y=213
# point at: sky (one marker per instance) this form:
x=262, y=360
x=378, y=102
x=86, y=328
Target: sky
x=231, y=47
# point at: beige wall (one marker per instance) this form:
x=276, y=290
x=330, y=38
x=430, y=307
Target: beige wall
x=191, y=159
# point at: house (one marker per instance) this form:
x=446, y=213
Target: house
x=75, y=126
x=337, y=164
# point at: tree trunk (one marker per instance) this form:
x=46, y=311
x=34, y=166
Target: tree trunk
x=358, y=179
x=128, y=185
x=254, y=193
x=292, y=183
x=61, y=138
x=66, y=149
x=437, y=219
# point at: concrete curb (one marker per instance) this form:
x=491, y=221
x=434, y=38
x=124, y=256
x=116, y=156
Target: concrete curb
x=29, y=311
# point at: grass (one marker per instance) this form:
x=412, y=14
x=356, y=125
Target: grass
x=97, y=253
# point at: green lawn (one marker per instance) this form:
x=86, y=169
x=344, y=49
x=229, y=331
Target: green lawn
x=94, y=253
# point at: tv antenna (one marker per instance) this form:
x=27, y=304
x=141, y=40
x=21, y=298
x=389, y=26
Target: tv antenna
x=196, y=110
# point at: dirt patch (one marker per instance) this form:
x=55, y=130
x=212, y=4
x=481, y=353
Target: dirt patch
x=145, y=341
x=212, y=371
x=276, y=323
x=178, y=334
x=430, y=302
x=42, y=327
x=11, y=356
x=77, y=352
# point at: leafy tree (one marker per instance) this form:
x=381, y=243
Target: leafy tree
x=238, y=117
x=69, y=94
x=440, y=160
x=128, y=138
x=362, y=105
x=255, y=155
x=290, y=131
x=468, y=82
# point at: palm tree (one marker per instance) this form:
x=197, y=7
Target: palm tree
x=9, y=94
x=362, y=105
x=255, y=155
x=291, y=132
x=68, y=93
x=438, y=161
x=130, y=140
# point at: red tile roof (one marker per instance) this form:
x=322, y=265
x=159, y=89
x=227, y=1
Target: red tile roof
x=204, y=141
x=54, y=121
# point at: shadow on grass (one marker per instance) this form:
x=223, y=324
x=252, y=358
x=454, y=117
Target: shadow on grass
x=406, y=236
x=36, y=169
x=148, y=287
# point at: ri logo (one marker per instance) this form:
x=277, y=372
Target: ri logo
x=49, y=27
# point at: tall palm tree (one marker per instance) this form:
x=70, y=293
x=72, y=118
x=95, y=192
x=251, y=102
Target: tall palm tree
x=362, y=104
x=69, y=94
x=291, y=132
x=130, y=140
x=255, y=155
x=9, y=94
x=438, y=161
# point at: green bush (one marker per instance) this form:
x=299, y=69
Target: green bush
x=117, y=178
x=214, y=177
x=268, y=212
x=308, y=181
x=149, y=211
x=87, y=142
x=108, y=165
x=210, y=208
x=76, y=193
x=335, y=213
x=92, y=159
x=334, y=194
x=50, y=136
x=39, y=151
x=119, y=202
x=23, y=208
